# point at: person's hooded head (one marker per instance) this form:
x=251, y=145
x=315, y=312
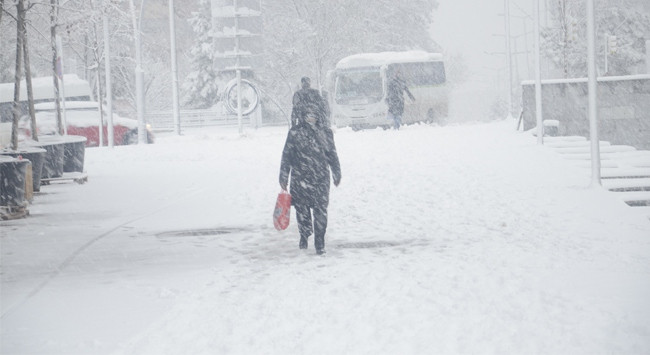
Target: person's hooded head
x=305, y=82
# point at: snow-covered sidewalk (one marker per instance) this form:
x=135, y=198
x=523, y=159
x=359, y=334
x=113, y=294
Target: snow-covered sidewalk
x=441, y=240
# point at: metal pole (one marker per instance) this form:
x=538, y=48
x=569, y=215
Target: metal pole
x=239, y=113
x=647, y=56
x=109, y=87
x=100, y=129
x=139, y=76
x=538, y=79
x=172, y=38
x=593, y=94
x=238, y=63
x=508, y=56
x=59, y=47
x=606, y=53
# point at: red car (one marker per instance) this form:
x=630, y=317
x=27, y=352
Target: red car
x=82, y=119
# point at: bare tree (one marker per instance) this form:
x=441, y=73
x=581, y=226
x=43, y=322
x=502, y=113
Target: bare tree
x=54, y=14
x=308, y=37
x=28, y=83
x=564, y=40
x=20, y=36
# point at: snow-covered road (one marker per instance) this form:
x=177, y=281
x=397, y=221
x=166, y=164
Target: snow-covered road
x=450, y=239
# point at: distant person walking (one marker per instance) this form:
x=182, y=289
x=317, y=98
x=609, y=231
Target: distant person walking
x=308, y=156
x=307, y=101
x=395, y=98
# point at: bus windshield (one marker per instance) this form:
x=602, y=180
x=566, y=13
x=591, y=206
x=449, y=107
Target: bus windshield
x=359, y=86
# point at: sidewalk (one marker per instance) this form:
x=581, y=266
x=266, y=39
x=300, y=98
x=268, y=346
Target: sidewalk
x=440, y=239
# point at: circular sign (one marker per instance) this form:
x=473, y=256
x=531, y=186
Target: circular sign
x=250, y=97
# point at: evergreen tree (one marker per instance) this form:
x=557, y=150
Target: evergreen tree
x=200, y=88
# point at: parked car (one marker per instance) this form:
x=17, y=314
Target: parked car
x=82, y=119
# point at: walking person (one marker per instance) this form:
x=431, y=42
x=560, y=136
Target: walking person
x=307, y=101
x=395, y=98
x=308, y=156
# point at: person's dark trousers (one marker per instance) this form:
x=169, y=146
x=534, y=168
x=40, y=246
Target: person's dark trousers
x=305, y=226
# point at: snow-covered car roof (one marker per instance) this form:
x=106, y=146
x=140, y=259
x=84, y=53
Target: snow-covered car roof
x=43, y=88
x=78, y=114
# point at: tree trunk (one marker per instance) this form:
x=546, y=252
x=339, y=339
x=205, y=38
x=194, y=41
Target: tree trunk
x=28, y=82
x=55, y=57
x=97, y=66
x=20, y=35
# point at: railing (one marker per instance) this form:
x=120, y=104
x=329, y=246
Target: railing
x=164, y=120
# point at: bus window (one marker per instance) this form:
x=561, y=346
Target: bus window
x=419, y=74
x=364, y=86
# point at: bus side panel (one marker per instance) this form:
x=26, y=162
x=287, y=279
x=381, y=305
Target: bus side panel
x=430, y=105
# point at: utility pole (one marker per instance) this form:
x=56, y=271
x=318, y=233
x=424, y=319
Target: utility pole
x=139, y=73
x=107, y=73
x=647, y=56
x=20, y=36
x=60, y=72
x=593, y=94
x=54, y=15
x=172, y=38
x=508, y=55
x=238, y=71
x=538, y=79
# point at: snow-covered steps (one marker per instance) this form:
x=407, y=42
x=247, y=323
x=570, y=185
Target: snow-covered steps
x=638, y=184
x=566, y=141
x=624, y=169
x=635, y=198
x=604, y=149
x=623, y=172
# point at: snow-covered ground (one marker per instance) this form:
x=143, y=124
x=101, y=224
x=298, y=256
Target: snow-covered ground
x=459, y=239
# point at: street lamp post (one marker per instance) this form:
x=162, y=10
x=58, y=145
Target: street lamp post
x=508, y=55
x=593, y=94
x=139, y=73
x=538, y=79
x=172, y=34
x=109, y=87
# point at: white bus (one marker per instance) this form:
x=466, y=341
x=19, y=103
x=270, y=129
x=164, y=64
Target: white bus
x=360, y=83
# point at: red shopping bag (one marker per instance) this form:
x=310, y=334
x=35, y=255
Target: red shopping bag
x=282, y=211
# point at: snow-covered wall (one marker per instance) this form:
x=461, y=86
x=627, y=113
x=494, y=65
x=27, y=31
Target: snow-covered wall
x=623, y=108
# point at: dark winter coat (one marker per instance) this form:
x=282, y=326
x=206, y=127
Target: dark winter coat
x=395, y=96
x=309, y=154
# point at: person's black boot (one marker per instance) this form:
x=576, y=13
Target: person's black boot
x=303, y=243
x=320, y=251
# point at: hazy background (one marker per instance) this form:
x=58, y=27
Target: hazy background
x=473, y=31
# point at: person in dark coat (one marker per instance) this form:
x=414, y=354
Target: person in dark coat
x=307, y=101
x=395, y=98
x=308, y=156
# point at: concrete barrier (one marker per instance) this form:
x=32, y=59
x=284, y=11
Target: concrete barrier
x=623, y=108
